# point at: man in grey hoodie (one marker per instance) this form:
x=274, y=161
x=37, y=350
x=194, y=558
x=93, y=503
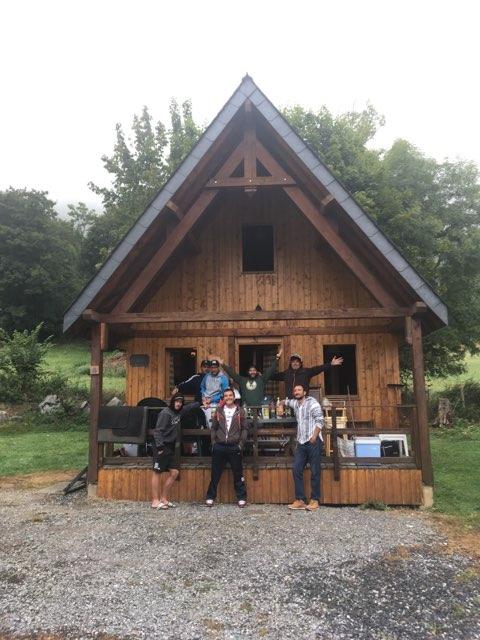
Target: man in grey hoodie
x=165, y=435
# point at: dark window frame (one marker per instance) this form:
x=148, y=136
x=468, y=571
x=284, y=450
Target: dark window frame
x=327, y=374
x=259, y=271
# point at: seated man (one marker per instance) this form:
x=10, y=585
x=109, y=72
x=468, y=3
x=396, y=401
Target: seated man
x=214, y=383
x=229, y=432
x=165, y=435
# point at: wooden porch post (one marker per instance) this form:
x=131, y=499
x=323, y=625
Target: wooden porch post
x=421, y=402
x=96, y=379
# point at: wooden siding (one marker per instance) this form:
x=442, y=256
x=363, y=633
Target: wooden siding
x=274, y=486
x=377, y=366
x=306, y=276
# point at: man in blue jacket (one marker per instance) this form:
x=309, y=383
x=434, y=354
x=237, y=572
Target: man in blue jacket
x=214, y=383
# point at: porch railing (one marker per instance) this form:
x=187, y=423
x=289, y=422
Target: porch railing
x=279, y=434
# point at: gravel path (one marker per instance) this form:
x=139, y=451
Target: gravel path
x=79, y=568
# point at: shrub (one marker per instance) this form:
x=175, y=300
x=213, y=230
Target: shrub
x=464, y=399
x=21, y=357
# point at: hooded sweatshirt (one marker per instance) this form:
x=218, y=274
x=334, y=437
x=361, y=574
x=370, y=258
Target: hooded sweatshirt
x=213, y=386
x=302, y=376
x=168, y=424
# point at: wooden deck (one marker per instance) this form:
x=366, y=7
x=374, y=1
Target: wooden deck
x=274, y=485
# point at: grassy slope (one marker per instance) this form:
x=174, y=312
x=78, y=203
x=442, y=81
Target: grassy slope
x=67, y=358
x=473, y=372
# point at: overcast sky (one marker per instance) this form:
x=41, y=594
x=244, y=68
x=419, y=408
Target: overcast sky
x=71, y=70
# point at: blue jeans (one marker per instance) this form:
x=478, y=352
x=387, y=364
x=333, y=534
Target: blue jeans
x=307, y=453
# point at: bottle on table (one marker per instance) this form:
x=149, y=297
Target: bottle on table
x=280, y=411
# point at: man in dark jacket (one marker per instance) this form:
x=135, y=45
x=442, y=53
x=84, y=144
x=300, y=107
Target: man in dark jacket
x=165, y=435
x=192, y=385
x=298, y=374
x=252, y=387
x=229, y=432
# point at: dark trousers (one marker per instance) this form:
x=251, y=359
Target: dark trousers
x=221, y=454
x=307, y=453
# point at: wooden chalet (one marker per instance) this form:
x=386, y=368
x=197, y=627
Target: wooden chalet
x=253, y=245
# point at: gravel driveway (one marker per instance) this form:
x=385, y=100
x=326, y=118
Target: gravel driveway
x=78, y=568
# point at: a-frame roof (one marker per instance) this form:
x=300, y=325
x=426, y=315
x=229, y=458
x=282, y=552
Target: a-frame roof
x=248, y=90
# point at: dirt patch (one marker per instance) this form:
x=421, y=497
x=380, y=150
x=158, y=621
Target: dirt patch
x=36, y=480
x=461, y=537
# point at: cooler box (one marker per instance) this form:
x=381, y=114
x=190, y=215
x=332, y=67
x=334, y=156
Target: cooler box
x=367, y=447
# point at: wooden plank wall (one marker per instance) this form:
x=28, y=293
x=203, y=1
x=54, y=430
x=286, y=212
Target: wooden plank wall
x=377, y=366
x=306, y=275
x=274, y=486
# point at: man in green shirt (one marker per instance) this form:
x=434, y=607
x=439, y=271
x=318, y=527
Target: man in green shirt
x=252, y=387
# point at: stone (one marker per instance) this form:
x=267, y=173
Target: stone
x=50, y=404
x=114, y=402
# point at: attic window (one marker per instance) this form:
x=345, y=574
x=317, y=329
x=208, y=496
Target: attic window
x=257, y=248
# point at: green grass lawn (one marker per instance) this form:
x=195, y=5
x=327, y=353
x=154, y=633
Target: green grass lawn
x=456, y=467
x=41, y=443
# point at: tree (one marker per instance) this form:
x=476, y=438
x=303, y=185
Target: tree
x=139, y=168
x=39, y=274
x=430, y=210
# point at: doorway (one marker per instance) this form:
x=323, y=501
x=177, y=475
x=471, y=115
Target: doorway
x=262, y=356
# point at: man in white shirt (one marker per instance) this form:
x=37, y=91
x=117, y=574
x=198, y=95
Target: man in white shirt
x=229, y=432
x=310, y=422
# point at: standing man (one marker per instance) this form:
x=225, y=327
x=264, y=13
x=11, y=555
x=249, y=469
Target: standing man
x=214, y=383
x=192, y=385
x=298, y=374
x=165, y=435
x=252, y=387
x=309, y=446
x=229, y=432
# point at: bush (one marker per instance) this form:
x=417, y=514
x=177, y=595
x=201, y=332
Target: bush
x=21, y=358
x=464, y=399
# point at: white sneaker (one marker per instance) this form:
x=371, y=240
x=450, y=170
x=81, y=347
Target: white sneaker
x=209, y=502
x=242, y=503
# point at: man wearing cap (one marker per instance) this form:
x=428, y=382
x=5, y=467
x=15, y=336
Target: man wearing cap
x=165, y=435
x=214, y=383
x=298, y=374
x=252, y=387
x=192, y=385
x=310, y=422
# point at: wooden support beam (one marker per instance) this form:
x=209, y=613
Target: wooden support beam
x=96, y=378
x=249, y=139
x=259, y=332
x=254, y=181
x=165, y=251
x=104, y=336
x=180, y=215
x=321, y=224
x=423, y=435
x=254, y=316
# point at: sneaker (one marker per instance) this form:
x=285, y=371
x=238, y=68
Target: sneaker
x=313, y=505
x=297, y=504
x=242, y=503
x=209, y=502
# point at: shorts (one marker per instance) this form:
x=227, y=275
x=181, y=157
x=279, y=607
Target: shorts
x=165, y=460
